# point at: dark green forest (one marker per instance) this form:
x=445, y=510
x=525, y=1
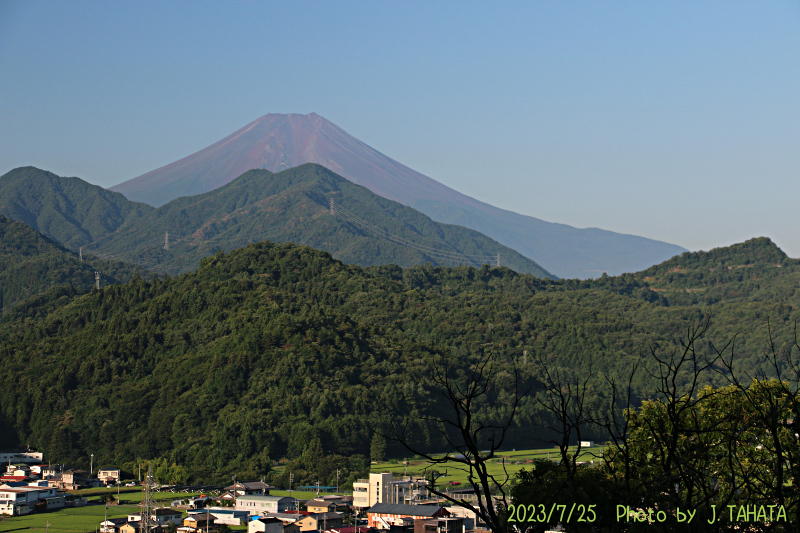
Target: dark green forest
x=281, y=351
x=31, y=263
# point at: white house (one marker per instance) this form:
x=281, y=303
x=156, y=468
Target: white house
x=258, y=505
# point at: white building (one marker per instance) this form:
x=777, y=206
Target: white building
x=376, y=489
x=21, y=457
x=258, y=505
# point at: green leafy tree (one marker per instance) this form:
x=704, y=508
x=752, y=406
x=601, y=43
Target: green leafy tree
x=377, y=449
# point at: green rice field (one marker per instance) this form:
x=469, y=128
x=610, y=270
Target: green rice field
x=505, y=463
x=69, y=520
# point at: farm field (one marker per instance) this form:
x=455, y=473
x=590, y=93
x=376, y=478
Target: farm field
x=69, y=520
x=515, y=460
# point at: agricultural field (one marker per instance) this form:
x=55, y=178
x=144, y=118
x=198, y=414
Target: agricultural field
x=69, y=520
x=511, y=461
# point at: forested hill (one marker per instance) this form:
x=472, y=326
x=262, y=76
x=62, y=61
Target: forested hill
x=31, y=264
x=68, y=210
x=295, y=206
x=274, y=350
x=291, y=206
x=756, y=269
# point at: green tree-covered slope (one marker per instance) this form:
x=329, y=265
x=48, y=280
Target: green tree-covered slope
x=31, y=264
x=294, y=206
x=273, y=349
x=753, y=270
x=68, y=210
x=291, y=206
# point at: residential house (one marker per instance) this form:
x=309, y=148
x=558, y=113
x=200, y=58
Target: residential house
x=133, y=527
x=112, y=525
x=196, y=522
x=162, y=516
x=258, y=505
x=338, y=500
x=230, y=517
x=439, y=525
x=73, y=479
x=18, y=470
x=384, y=515
x=321, y=506
x=19, y=480
x=265, y=525
x=288, y=518
x=319, y=521
x=51, y=470
x=109, y=476
x=469, y=516
x=248, y=488
x=200, y=502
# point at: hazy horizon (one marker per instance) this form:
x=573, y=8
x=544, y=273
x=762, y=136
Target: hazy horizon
x=674, y=121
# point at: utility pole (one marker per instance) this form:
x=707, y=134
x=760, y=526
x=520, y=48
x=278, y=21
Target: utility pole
x=166, y=241
x=337, y=481
x=291, y=480
x=91, y=465
x=524, y=357
x=80, y=253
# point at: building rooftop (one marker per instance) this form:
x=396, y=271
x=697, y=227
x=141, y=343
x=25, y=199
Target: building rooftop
x=404, y=509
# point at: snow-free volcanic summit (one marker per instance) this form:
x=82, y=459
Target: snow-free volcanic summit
x=277, y=142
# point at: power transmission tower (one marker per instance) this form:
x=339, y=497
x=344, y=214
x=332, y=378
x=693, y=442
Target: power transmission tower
x=166, y=241
x=148, y=505
x=498, y=259
x=332, y=211
x=80, y=253
x=97, y=280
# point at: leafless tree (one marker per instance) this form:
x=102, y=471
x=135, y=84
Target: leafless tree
x=471, y=439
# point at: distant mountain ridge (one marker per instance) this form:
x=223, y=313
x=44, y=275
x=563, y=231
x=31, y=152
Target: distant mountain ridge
x=276, y=142
x=68, y=210
x=293, y=205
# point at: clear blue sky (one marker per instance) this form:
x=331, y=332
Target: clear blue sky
x=678, y=121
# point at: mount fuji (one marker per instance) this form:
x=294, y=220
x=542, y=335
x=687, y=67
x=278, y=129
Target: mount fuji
x=280, y=141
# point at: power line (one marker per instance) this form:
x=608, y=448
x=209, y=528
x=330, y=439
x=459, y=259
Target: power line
x=450, y=255
x=348, y=216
